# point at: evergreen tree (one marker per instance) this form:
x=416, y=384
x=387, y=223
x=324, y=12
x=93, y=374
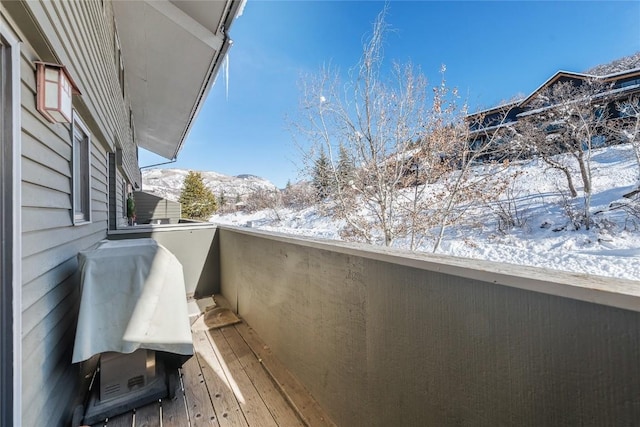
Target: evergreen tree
x=345, y=167
x=222, y=200
x=322, y=176
x=198, y=201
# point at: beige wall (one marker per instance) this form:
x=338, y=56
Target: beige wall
x=384, y=338
x=195, y=246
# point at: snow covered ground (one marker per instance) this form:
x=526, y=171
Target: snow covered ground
x=610, y=248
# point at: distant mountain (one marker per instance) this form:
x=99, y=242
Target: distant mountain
x=167, y=183
x=622, y=64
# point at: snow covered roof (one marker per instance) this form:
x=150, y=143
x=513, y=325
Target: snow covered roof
x=559, y=74
x=497, y=108
x=553, y=79
x=620, y=74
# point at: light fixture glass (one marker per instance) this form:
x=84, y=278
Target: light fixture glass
x=55, y=87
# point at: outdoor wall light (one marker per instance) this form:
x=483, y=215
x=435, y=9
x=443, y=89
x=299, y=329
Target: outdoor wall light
x=54, y=90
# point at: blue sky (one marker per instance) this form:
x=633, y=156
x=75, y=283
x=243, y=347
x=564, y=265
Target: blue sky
x=493, y=50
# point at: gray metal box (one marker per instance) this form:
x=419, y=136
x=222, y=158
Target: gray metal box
x=122, y=373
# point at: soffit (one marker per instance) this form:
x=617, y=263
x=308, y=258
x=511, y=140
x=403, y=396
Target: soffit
x=170, y=50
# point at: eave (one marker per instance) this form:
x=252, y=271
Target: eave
x=552, y=80
x=504, y=107
x=172, y=51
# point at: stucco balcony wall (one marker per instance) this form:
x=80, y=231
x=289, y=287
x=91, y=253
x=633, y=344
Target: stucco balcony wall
x=384, y=337
x=194, y=244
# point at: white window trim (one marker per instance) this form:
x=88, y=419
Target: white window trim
x=16, y=306
x=86, y=217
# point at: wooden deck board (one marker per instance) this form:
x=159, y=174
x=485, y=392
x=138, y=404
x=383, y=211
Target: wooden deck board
x=122, y=420
x=199, y=405
x=233, y=380
x=174, y=412
x=280, y=409
x=296, y=394
x=148, y=416
x=220, y=388
x=253, y=406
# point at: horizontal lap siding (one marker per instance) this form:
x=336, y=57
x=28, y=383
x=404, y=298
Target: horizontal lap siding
x=81, y=35
x=117, y=213
x=121, y=217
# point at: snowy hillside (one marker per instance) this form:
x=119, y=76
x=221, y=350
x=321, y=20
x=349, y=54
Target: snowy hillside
x=610, y=248
x=167, y=183
x=622, y=64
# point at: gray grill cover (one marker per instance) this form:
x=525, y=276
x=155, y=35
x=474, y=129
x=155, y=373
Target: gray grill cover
x=133, y=296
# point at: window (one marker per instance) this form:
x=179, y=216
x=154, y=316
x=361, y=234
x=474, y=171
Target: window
x=627, y=83
x=132, y=126
x=81, y=172
x=125, y=195
x=629, y=108
x=119, y=63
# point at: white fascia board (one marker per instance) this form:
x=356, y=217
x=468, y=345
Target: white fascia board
x=204, y=92
x=187, y=23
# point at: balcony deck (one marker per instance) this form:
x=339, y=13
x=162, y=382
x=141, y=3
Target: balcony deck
x=385, y=337
x=232, y=380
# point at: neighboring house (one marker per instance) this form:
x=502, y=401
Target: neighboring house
x=617, y=87
x=131, y=74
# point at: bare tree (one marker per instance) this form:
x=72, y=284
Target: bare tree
x=508, y=210
x=627, y=125
x=567, y=122
x=407, y=143
x=484, y=148
x=435, y=155
x=299, y=195
x=377, y=117
x=265, y=199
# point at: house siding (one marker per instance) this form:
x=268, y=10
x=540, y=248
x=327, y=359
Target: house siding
x=151, y=208
x=112, y=194
x=79, y=35
x=121, y=217
x=50, y=246
x=117, y=211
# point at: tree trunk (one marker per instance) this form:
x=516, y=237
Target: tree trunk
x=572, y=187
x=586, y=181
x=584, y=173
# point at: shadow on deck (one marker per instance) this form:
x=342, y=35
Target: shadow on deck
x=232, y=380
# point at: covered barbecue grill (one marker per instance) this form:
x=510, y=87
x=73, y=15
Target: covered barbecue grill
x=133, y=313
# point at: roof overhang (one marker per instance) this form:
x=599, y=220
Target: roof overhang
x=500, y=108
x=551, y=80
x=172, y=50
